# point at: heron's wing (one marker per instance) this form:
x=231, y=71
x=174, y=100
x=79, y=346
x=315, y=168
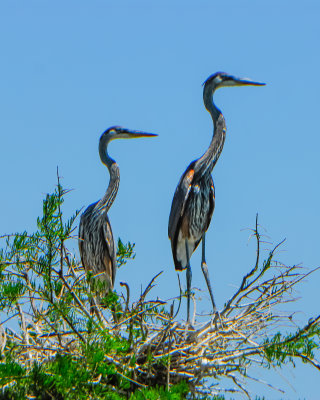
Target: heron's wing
x=80, y=241
x=96, y=244
x=179, y=200
x=212, y=203
x=110, y=260
x=83, y=227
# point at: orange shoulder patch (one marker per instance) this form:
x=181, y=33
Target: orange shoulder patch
x=189, y=176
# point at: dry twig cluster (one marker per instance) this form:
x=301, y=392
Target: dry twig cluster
x=163, y=350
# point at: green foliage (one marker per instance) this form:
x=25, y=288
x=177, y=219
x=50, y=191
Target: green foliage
x=56, y=343
x=38, y=274
x=177, y=392
x=125, y=252
x=281, y=349
x=65, y=377
x=45, y=290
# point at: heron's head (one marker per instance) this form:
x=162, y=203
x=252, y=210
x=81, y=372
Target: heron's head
x=221, y=79
x=118, y=132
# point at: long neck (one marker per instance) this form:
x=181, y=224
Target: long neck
x=107, y=200
x=206, y=163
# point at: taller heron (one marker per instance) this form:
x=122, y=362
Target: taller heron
x=194, y=198
x=96, y=242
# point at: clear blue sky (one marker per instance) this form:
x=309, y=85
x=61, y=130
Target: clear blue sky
x=69, y=70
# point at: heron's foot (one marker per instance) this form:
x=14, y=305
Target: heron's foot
x=216, y=317
x=188, y=328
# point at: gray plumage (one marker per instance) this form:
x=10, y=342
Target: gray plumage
x=194, y=199
x=96, y=243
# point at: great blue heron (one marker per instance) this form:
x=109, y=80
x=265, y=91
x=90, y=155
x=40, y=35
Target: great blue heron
x=194, y=198
x=96, y=243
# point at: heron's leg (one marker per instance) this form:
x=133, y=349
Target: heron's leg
x=189, y=277
x=206, y=273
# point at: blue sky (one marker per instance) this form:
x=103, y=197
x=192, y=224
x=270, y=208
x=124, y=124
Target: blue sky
x=69, y=70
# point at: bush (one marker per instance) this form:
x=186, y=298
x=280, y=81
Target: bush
x=52, y=346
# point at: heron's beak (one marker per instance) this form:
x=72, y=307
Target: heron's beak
x=138, y=134
x=245, y=81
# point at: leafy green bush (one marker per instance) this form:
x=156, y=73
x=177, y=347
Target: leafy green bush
x=52, y=346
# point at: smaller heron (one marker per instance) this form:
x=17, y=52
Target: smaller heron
x=194, y=199
x=96, y=243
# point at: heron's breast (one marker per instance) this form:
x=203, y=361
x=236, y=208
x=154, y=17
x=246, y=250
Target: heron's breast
x=198, y=210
